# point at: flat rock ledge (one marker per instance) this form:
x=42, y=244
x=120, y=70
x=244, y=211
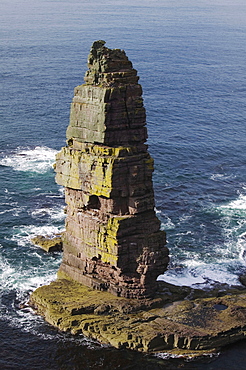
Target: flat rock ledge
x=49, y=243
x=189, y=326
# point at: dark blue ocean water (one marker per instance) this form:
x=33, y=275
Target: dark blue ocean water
x=190, y=56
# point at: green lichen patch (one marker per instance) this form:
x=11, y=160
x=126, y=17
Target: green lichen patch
x=187, y=326
x=49, y=243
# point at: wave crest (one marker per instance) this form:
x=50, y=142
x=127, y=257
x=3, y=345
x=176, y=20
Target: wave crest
x=39, y=159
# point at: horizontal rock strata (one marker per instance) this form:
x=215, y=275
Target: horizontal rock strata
x=157, y=325
x=113, y=239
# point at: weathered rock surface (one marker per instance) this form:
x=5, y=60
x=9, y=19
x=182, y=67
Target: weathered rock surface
x=113, y=239
x=49, y=243
x=148, y=325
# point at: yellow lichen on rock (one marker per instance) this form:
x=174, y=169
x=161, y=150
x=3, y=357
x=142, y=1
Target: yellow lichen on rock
x=187, y=326
x=49, y=243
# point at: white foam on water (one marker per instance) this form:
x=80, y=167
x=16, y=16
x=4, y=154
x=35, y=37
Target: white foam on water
x=237, y=204
x=203, y=276
x=61, y=190
x=17, y=282
x=25, y=283
x=38, y=160
x=27, y=271
x=221, y=262
x=29, y=322
x=190, y=356
x=22, y=279
x=7, y=211
x=167, y=224
x=23, y=234
x=233, y=221
x=6, y=273
x=55, y=213
x=21, y=272
x=182, y=277
x=241, y=245
x=16, y=211
x=167, y=356
x=185, y=217
x=220, y=176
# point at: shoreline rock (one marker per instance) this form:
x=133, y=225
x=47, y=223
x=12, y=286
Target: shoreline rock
x=169, y=322
x=242, y=279
x=49, y=243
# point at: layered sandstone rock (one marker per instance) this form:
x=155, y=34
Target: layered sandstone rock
x=113, y=239
x=177, y=321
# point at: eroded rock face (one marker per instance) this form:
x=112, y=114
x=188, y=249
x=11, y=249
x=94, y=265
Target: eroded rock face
x=113, y=239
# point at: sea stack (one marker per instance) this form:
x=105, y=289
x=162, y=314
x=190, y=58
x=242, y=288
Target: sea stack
x=112, y=240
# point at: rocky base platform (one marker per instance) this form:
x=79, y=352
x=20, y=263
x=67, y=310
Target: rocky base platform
x=179, y=320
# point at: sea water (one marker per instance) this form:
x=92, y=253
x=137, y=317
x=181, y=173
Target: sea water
x=190, y=56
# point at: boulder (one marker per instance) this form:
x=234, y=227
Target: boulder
x=49, y=243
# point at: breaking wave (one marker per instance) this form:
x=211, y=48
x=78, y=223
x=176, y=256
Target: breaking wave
x=38, y=160
x=220, y=260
